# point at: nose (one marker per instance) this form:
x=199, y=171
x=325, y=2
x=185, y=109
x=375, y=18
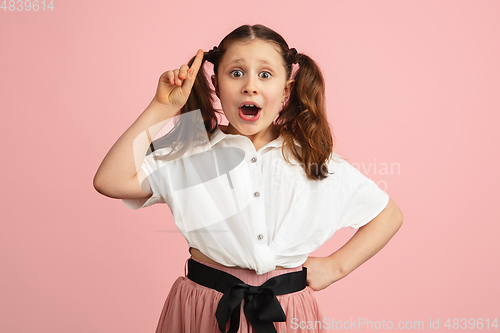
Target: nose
x=250, y=86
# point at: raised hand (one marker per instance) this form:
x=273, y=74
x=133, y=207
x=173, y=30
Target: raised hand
x=174, y=86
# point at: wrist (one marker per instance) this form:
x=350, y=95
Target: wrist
x=336, y=267
x=157, y=113
x=161, y=108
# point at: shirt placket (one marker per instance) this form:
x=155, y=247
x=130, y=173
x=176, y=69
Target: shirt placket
x=264, y=255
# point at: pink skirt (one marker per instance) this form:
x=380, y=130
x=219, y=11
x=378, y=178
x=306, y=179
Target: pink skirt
x=191, y=307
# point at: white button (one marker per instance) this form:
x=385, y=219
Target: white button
x=253, y=160
x=260, y=236
x=256, y=194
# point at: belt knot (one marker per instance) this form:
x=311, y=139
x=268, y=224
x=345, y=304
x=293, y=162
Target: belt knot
x=253, y=290
x=262, y=308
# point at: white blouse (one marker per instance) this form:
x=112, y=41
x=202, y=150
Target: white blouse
x=248, y=208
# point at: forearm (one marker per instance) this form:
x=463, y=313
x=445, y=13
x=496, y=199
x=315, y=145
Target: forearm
x=367, y=241
x=126, y=155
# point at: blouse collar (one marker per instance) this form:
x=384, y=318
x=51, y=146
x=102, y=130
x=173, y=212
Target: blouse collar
x=218, y=135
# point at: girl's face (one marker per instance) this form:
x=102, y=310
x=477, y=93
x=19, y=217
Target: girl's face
x=252, y=73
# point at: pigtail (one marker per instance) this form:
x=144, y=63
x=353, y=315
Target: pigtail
x=188, y=129
x=304, y=120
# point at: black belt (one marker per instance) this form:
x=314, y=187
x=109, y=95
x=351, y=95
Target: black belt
x=262, y=308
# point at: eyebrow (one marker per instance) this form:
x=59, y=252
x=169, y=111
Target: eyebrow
x=242, y=60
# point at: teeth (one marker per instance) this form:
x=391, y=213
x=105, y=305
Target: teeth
x=250, y=105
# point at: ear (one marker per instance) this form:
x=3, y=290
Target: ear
x=287, y=90
x=214, y=82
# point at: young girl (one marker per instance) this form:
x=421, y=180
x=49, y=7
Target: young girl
x=254, y=198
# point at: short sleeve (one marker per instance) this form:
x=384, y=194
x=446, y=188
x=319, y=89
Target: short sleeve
x=359, y=197
x=149, y=166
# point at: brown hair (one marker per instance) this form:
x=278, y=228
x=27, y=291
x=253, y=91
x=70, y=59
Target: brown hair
x=302, y=120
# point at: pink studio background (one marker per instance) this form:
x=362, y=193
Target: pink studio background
x=415, y=84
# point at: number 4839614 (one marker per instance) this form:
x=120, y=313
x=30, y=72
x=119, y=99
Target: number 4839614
x=471, y=323
x=26, y=5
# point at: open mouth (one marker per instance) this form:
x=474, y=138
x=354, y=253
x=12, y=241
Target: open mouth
x=249, y=112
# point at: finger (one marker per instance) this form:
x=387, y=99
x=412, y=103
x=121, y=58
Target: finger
x=176, y=75
x=170, y=76
x=193, y=71
x=195, y=66
x=183, y=71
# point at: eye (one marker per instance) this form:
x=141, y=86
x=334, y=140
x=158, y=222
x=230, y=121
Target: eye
x=236, y=73
x=265, y=75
